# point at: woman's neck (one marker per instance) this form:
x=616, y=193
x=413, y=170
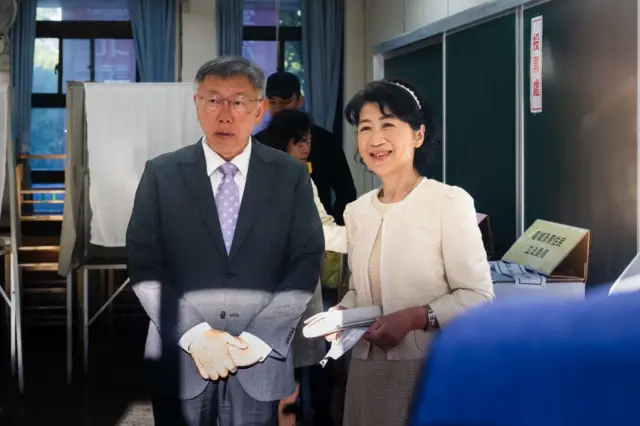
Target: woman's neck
x=396, y=187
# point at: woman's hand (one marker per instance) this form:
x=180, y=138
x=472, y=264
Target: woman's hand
x=285, y=416
x=334, y=336
x=389, y=330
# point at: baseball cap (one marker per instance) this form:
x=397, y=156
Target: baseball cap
x=282, y=85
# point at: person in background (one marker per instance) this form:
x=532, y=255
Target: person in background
x=330, y=173
x=223, y=285
x=536, y=362
x=290, y=131
x=329, y=167
x=414, y=248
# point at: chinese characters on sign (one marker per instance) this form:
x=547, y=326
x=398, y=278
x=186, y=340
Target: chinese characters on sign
x=535, y=93
x=545, y=238
x=115, y=60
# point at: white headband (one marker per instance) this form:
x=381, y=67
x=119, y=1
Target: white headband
x=413, y=95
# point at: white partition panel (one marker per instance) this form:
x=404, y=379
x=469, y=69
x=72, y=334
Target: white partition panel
x=128, y=124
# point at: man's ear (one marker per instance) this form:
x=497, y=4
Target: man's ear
x=262, y=107
x=300, y=101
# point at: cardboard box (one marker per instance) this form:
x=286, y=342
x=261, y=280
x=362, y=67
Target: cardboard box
x=485, y=229
x=549, y=258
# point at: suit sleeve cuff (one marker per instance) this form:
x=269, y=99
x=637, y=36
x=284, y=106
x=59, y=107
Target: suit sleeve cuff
x=263, y=349
x=192, y=334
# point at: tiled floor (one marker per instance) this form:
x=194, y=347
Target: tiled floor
x=113, y=394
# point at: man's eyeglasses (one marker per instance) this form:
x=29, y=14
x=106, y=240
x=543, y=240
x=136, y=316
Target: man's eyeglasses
x=238, y=105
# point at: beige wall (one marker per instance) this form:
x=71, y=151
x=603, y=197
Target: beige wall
x=383, y=20
x=199, y=36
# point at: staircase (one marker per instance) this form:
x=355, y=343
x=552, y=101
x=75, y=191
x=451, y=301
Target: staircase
x=40, y=206
x=40, y=202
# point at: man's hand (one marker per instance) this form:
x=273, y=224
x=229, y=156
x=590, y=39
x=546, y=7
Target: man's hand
x=244, y=357
x=211, y=355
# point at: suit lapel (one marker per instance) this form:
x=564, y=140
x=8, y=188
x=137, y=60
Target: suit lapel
x=198, y=184
x=259, y=180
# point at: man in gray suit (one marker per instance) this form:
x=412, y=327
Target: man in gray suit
x=225, y=247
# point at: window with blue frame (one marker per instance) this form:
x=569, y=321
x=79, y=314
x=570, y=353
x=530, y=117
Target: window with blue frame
x=75, y=41
x=270, y=47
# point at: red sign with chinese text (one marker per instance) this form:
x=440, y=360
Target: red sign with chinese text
x=535, y=92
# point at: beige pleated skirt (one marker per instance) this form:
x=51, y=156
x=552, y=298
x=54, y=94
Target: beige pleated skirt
x=380, y=392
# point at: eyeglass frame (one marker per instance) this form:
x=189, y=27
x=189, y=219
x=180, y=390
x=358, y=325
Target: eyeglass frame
x=230, y=102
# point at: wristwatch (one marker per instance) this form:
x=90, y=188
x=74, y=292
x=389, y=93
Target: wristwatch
x=432, y=321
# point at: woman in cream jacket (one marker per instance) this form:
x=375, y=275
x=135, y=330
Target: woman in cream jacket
x=414, y=248
x=290, y=131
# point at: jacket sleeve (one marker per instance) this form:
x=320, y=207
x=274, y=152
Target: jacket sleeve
x=465, y=259
x=276, y=324
x=335, y=236
x=349, y=300
x=168, y=310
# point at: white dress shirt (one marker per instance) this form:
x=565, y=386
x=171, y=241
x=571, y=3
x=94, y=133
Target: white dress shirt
x=213, y=162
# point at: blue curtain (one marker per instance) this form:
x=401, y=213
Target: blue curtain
x=154, y=32
x=23, y=38
x=230, y=20
x=322, y=28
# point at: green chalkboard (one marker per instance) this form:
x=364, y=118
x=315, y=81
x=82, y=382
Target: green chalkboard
x=581, y=149
x=422, y=68
x=480, y=146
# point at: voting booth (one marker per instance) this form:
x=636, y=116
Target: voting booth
x=548, y=260
x=112, y=130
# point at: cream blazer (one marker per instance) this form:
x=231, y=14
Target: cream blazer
x=335, y=236
x=431, y=253
x=308, y=352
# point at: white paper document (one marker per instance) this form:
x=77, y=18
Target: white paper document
x=326, y=323
x=343, y=344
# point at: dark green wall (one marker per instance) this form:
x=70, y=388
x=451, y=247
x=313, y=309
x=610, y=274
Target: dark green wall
x=422, y=68
x=581, y=151
x=481, y=122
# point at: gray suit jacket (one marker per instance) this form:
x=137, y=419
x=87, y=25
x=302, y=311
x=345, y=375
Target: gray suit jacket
x=183, y=276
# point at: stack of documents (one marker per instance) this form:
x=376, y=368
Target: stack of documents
x=326, y=323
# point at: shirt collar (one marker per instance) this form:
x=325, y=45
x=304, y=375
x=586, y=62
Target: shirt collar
x=213, y=160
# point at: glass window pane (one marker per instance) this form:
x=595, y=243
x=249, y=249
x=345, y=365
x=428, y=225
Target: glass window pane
x=263, y=13
x=47, y=137
x=83, y=10
x=45, y=63
x=54, y=202
x=293, y=61
x=76, y=61
x=265, y=55
x=115, y=60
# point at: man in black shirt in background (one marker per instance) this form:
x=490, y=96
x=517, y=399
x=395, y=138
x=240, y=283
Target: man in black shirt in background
x=329, y=168
x=332, y=177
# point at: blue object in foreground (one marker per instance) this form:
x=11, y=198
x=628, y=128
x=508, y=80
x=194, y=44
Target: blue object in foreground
x=543, y=362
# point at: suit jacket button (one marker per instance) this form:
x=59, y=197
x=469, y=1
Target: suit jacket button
x=223, y=315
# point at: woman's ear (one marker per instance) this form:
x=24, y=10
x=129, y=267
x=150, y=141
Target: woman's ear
x=419, y=136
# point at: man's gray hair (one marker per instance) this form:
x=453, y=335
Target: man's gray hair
x=233, y=66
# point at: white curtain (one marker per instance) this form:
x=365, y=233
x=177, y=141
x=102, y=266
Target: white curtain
x=128, y=124
x=5, y=137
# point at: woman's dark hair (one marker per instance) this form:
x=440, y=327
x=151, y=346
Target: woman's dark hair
x=391, y=96
x=286, y=125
